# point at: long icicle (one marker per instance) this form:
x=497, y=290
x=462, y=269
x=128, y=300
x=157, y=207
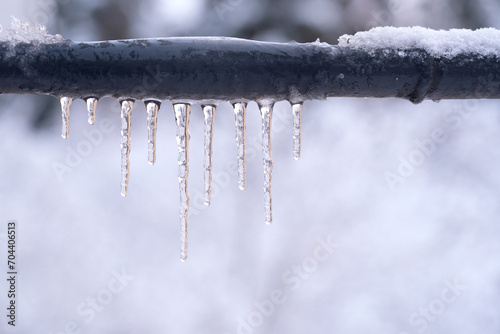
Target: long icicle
x=126, y=113
x=182, y=112
x=91, y=106
x=209, y=113
x=266, y=112
x=297, y=123
x=65, y=106
x=240, y=115
x=152, y=108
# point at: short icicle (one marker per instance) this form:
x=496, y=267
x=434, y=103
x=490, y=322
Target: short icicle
x=209, y=113
x=91, y=106
x=239, y=113
x=297, y=121
x=126, y=113
x=65, y=106
x=266, y=112
x=182, y=112
x=152, y=108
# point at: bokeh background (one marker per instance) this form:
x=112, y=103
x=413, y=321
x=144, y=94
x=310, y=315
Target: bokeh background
x=418, y=256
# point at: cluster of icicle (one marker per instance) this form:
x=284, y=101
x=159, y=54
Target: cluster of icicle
x=182, y=113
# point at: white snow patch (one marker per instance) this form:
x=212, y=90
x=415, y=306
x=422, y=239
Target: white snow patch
x=438, y=43
x=24, y=32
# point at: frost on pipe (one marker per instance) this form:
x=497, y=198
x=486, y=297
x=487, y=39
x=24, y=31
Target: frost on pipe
x=410, y=63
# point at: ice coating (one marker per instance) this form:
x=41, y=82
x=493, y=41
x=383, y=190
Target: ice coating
x=266, y=112
x=65, y=107
x=23, y=32
x=152, y=110
x=438, y=43
x=126, y=114
x=239, y=113
x=182, y=112
x=209, y=113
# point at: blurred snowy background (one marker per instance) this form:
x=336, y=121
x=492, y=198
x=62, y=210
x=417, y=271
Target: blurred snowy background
x=418, y=255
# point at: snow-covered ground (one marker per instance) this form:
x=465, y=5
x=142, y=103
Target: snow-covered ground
x=387, y=224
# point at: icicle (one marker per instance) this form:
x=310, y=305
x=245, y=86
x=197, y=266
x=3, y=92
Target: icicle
x=126, y=114
x=182, y=112
x=65, y=106
x=239, y=112
x=91, y=106
x=297, y=120
x=209, y=112
x=267, y=113
x=152, y=109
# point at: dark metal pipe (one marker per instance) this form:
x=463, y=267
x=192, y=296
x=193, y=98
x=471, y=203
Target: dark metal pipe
x=227, y=69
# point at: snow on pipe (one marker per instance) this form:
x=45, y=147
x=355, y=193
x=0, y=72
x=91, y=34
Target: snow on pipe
x=228, y=69
x=211, y=70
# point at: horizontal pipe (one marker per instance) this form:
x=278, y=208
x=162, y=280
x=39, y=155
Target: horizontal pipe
x=227, y=69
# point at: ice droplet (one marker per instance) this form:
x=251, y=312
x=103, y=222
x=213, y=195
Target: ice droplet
x=91, y=106
x=152, y=110
x=297, y=120
x=209, y=113
x=182, y=112
x=239, y=112
x=65, y=106
x=266, y=112
x=126, y=113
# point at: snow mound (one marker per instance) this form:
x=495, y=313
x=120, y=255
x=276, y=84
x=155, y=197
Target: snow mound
x=23, y=32
x=438, y=43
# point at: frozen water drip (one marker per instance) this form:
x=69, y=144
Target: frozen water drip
x=126, y=114
x=209, y=113
x=240, y=115
x=65, y=106
x=266, y=112
x=297, y=120
x=182, y=112
x=91, y=106
x=152, y=110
